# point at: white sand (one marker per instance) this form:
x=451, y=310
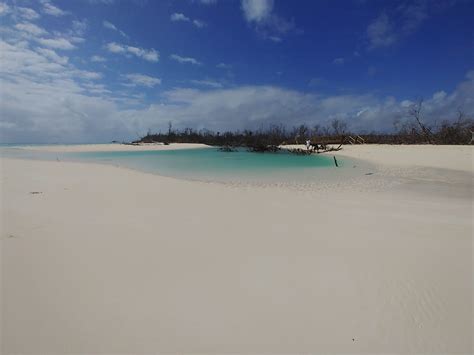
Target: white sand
x=455, y=157
x=108, y=260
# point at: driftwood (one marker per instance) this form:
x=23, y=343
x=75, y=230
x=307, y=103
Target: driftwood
x=324, y=146
x=356, y=140
x=227, y=148
x=261, y=148
x=299, y=151
x=319, y=150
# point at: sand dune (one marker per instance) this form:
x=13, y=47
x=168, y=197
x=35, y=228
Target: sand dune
x=108, y=260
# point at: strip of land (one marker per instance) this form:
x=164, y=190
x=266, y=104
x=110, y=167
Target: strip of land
x=99, y=259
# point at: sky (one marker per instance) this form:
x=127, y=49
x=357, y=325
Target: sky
x=76, y=71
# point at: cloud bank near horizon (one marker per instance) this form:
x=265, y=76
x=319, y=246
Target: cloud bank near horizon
x=47, y=99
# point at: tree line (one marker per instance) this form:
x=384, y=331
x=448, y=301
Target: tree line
x=412, y=131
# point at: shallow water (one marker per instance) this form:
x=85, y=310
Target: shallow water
x=211, y=164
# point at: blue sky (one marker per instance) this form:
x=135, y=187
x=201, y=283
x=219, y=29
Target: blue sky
x=97, y=70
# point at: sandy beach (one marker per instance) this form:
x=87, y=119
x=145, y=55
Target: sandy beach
x=100, y=259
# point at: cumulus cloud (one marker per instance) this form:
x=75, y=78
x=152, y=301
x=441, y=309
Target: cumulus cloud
x=184, y=60
x=150, y=55
x=142, y=80
x=42, y=95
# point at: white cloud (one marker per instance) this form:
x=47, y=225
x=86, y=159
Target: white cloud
x=30, y=28
x=189, y=60
x=150, y=55
x=27, y=13
x=257, y=10
x=56, y=43
x=88, y=75
x=52, y=55
x=142, y=80
x=179, y=17
x=98, y=59
x=45, y=98
x=18, y=12
x=50, y=9
x=115, y=48
x=199, y=23
x=111, y=26
x=338, y=61
x=63, y=108
x=269, y=25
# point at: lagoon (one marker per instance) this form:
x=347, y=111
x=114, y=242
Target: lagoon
x=208, y=164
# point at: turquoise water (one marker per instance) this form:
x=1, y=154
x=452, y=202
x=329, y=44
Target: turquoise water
x=207, y=164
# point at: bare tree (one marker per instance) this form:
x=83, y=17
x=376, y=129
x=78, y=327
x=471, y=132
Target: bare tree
x=415, y=111
x=339, y=127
